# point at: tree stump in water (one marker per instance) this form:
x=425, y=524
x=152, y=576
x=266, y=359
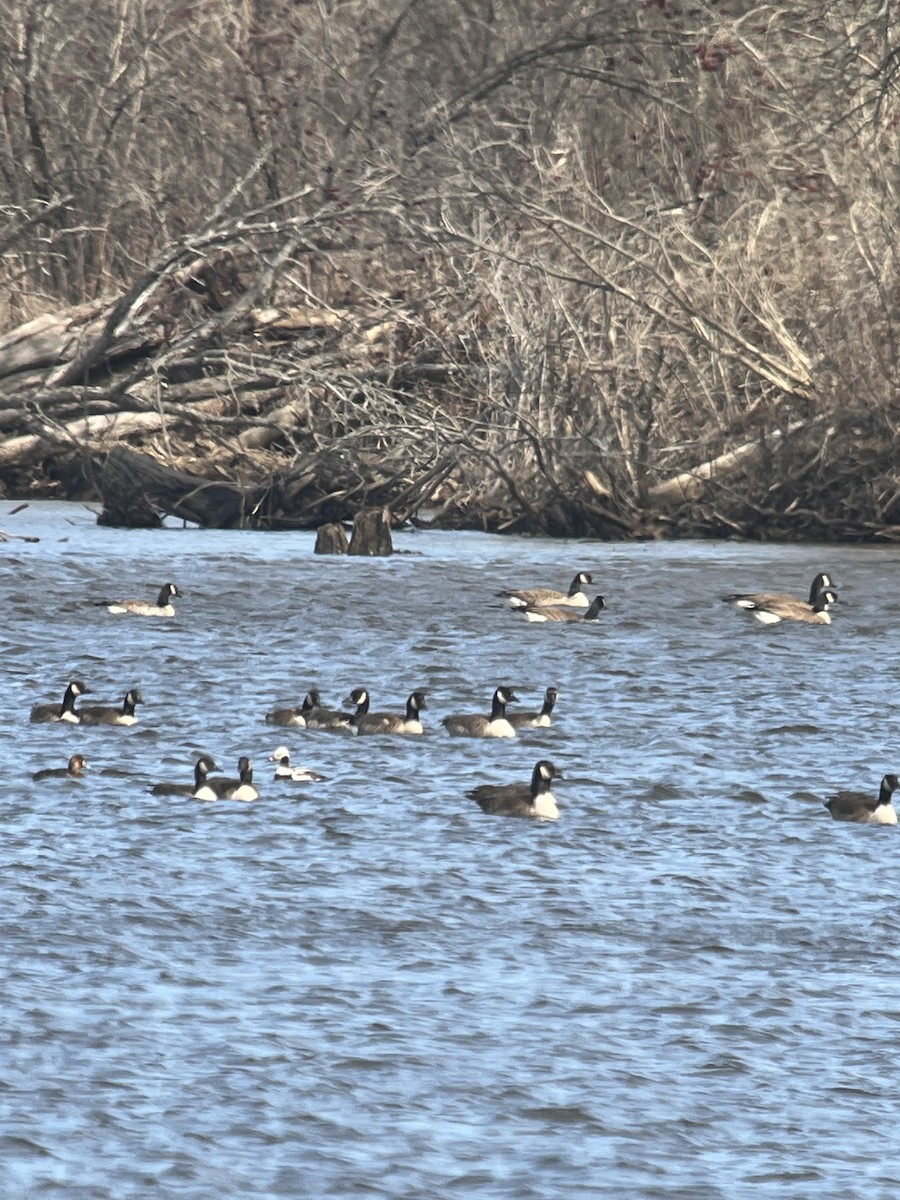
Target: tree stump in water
x=331, y=539
x=372, y=533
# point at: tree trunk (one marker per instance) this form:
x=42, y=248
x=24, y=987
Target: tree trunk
x=136, y=488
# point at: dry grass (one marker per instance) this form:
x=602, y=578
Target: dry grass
x=623, y=240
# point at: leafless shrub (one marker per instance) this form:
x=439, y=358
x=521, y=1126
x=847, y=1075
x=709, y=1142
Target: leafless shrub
x=598, y=245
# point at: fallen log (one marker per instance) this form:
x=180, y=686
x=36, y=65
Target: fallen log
x=100, y=428
x=689, y=485
x=138, y=490
x=45, y=340
x=35, y=445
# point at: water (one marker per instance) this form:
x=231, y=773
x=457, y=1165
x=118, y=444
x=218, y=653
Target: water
x=686, y=987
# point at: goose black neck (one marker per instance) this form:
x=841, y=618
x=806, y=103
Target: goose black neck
x=820, y=584
x=539, y=782
x=886, y=790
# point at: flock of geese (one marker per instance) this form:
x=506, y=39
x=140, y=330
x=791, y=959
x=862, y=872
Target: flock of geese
x=534, y=799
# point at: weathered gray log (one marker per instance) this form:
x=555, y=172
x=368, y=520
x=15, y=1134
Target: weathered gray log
x=689, y=485
x=109, y=425
x=331, y=539
x=372, y=533
x=46, y=339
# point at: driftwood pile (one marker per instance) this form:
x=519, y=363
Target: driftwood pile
x=187, y=396
x=171, y=401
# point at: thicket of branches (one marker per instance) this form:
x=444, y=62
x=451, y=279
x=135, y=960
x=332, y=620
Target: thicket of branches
x=551, y=259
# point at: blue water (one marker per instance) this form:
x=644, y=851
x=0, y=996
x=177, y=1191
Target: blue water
x=688, y=986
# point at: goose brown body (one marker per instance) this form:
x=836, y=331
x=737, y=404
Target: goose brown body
x=534, y=800
x=142, y=608
x=807, y=614
x=865, y=809
x=536, y=720
x=552, y=612
x=64, y=711
x=107, y=714
x=204, y=764
x=476, y=725
x=295, y=716
x=771, y=607
x=74, y=769
x=387, y=722
x=330, y=719
x=539, y=597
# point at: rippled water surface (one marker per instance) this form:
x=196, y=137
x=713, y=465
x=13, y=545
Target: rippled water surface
x=688, y=986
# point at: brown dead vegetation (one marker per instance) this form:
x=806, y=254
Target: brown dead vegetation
x=622, y=271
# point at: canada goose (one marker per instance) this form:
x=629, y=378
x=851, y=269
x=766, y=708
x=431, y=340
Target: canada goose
x=321, y=717
x=867, y=810
x=221, y=788
x=202, y=768
x=552, y=613
x=140, y=608
x=538, y=597
x=75, y=770
x=386, y=722
x=811, y=614
x=360, y=697
x=496, y=725
x=519, y=799
x=295, y=716
x=536, y=720
x=781, y=606
x=102, y=714
x=66, y=710
x=284, y=770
